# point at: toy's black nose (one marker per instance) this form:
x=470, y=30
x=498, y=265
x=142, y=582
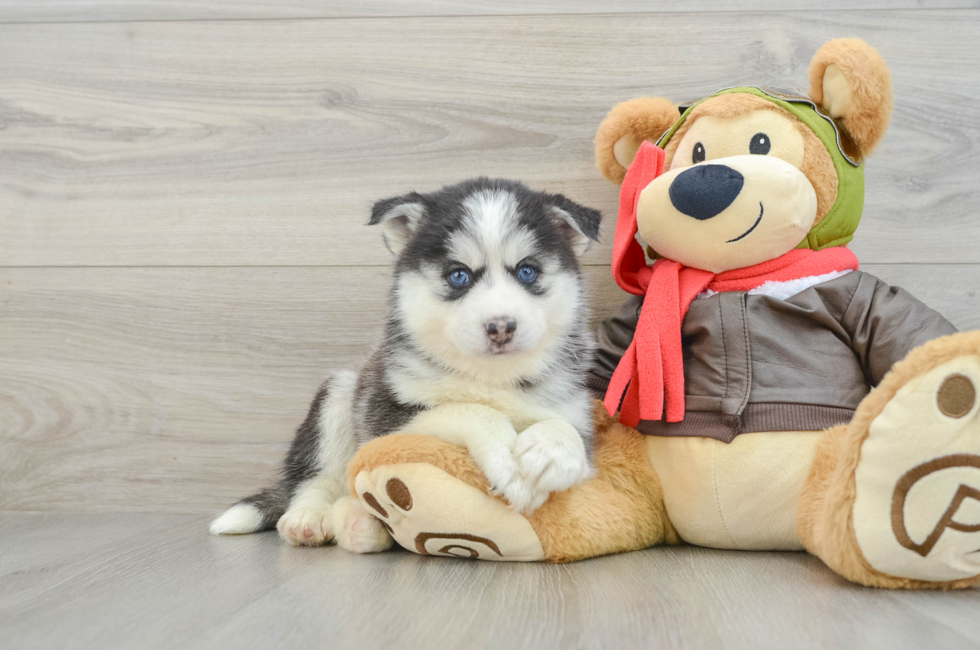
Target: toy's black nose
x=703, y=191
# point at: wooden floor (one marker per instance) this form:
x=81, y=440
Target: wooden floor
x=183, y=188
x=155, y=581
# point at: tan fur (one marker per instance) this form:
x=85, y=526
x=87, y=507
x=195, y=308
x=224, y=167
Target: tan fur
x=620, y=509
x=646, y=118
x=870, y=109
x=817, y=165
x=819, y=169
x=864, y=122
x=415, y=448
x=825, y=525
x=723, y=106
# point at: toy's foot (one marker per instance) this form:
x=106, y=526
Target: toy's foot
x=357, y=530
x=307, y=526
x=916, y=513
x=431, y=512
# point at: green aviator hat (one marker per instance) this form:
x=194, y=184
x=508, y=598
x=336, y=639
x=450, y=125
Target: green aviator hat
x=838, y=226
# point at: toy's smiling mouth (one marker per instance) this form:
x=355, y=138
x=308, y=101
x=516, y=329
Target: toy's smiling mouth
x=757, y=221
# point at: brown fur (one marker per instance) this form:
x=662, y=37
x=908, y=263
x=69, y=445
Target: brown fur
x=620, y=509
x=863, y=124
x=867, y=75
x=723, y=106
x=819, y=169
x=401, y=448
x=646, y=118
x=824, y=519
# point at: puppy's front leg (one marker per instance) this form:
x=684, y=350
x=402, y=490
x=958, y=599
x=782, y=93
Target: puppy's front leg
x=552, y=458
x=489, y=437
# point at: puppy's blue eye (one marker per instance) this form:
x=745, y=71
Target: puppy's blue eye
x=458, y=277
x=527, y=274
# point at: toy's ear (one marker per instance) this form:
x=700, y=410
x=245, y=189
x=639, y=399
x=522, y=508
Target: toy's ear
x=850, y=80
x=399, y=217
x=624, y=130
x=579, y=225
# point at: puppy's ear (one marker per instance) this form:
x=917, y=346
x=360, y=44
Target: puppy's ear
x=579, y=225
x=399, y=217
x=624, y=130
x=850, y=80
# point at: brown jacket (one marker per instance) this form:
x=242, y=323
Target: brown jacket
x=758, y=363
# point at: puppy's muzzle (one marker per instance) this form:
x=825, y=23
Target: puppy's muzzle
x=500, y=330
x=704, y=191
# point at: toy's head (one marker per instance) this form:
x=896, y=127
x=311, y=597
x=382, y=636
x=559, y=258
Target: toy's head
x=750, y=172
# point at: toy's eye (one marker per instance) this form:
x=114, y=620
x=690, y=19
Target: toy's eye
x=699, y=154
x=760, y=144
x=458, y=277
x=527, y=274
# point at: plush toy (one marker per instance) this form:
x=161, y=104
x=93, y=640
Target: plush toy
x=765, y=392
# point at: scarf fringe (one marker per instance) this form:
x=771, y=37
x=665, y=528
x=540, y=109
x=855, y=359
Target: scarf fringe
x=648, y=383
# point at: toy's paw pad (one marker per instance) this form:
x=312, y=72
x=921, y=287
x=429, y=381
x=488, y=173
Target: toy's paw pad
x=430, y=512
x=917, y=508
x=550, y=460
x=357, y=530
x=306, y=526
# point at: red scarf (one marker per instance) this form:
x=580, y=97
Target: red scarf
x=651, y=373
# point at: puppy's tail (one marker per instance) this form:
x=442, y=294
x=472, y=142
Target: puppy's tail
x=252, y=514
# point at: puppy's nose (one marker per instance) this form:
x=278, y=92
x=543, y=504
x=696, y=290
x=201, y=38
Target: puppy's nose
x=704, y=191
x=500, y=330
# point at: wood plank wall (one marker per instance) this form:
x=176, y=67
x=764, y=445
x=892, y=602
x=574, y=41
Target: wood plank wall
x=183, y=188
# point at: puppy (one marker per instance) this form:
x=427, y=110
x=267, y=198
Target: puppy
x=485, y=345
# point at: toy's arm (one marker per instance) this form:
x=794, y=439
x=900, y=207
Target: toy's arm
x=490, y=439
x=549, y=456
x=612, y=339
x=885, y=323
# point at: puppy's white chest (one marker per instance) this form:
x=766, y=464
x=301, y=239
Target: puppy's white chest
x=519, y=407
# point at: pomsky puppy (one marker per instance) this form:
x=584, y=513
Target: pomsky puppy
x=485, y=345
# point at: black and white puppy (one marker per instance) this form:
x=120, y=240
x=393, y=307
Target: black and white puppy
x=485, y=345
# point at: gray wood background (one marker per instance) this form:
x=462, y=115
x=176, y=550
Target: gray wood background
x=183, y=188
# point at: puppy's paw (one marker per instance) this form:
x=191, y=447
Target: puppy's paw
x=306, y=526
x=500, y=468
x=357, y=530
x=551, y=457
